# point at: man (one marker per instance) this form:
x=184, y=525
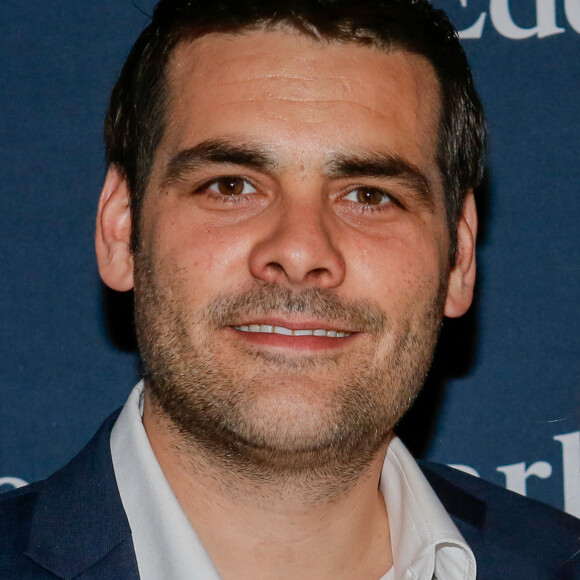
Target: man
x=290, y=194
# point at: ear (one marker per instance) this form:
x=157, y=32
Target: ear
x=462, y=275
x=113, y=233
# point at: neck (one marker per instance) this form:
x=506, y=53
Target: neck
x=283, y=525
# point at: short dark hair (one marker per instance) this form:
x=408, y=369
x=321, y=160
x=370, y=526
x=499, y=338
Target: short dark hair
x=136, y=118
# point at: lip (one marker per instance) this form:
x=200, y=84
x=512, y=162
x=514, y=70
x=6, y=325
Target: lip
x=299, y=344
x=294, y=324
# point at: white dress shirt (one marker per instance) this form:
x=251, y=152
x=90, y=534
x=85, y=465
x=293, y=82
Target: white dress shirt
x=425, y=543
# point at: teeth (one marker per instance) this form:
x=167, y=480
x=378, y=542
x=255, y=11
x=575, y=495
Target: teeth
x=303, y=332
x=282, y=330
x=267, y=329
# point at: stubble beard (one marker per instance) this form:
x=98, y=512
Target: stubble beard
x=269, y=418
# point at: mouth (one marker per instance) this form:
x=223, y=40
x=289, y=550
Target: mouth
x=284, y=331
x=306, y=336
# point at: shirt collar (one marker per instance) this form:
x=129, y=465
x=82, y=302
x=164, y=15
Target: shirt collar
x=425, y=541
x=166, y=545
x=426, y=544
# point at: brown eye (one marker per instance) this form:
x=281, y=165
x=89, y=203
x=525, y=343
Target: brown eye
x=231, y=185
x=228, y=188
x=368, y=196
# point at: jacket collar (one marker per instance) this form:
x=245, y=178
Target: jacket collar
x=79, y=524
x=469, y=514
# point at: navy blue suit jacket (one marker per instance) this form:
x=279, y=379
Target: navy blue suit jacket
x=73, y=526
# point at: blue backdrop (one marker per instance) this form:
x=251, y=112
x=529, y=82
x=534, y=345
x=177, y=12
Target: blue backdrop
x=502, y=401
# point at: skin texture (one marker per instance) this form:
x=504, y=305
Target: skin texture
x=314, y=201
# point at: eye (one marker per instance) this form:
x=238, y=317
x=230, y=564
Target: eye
x=231, y=186
x=368, y=196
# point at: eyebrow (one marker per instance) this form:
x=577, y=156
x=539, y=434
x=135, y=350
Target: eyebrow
x=339, y=165
x=216, y=151
x=381, y=165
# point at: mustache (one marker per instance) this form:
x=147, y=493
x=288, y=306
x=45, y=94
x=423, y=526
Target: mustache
x=269, y=299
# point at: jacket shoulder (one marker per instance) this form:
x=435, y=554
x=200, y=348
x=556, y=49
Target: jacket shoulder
x=70, y=525
x=446, y=480
x=16, y=513
x=518, y=535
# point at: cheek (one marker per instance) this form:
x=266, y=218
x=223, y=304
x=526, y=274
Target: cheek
x=396, y=269
x=205, y=255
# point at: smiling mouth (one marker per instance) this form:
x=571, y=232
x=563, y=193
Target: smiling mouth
x=269, y=329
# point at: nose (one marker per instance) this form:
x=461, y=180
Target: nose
x=298, y=249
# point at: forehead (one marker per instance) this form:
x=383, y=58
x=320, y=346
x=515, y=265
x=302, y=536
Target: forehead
x=284, y=88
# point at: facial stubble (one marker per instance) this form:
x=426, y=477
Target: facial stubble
x=266, y=416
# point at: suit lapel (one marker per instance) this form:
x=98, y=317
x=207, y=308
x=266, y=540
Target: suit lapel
x=469, y=515
x=79, y=528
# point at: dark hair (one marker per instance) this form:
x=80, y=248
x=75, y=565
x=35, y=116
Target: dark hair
x=135, y=121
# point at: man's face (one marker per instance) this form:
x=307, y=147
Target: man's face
x=293, y=271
